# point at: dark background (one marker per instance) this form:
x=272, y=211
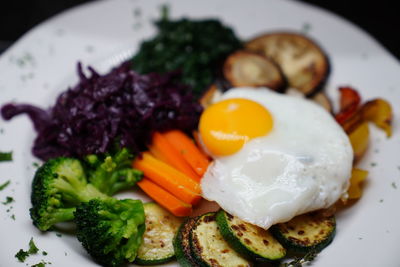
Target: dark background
x=380, y=18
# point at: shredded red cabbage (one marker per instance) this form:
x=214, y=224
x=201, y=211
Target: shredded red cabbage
x=121, y=106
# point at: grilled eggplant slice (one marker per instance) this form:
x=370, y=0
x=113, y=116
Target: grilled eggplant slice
x=182, y=248
x=209, y=247
x=311, y=231
x=161, y=227
x=303, y=62
x=322, y=99
x=244, y=68
x=249, y=240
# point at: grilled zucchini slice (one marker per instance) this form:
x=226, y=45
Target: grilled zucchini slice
x=302, y=61
x=209, y=247
x=311, y=231
x=161, y=227
x=182, y=248
x=249, y=240
x=245, y=68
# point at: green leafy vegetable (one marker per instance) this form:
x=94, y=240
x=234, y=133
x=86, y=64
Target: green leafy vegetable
x=5, y=156
x=196, y=48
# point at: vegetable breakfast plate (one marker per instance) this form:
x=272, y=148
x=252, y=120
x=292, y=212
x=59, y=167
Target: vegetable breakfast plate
x=103, y=34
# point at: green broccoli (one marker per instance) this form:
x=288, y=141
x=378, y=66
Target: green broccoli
x=58, y=187
x=111, y=230
x=112, y=173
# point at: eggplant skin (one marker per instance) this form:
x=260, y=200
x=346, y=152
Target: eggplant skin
x=302, y=60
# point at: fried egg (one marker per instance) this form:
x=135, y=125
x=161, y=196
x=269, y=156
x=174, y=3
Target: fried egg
x=275, y=156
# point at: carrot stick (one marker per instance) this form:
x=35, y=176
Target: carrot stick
x=172, y=180
x=164, y=198
x=188, y=150
x=197, y=141
x=166, y=152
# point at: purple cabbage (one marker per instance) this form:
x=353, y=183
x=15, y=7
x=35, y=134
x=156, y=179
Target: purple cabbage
x=120, y=107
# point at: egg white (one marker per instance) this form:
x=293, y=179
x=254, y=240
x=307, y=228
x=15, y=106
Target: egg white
x=303, y=164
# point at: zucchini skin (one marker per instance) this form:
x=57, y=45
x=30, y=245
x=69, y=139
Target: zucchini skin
x=195, y=253
x=181, y=244
x=236, y=243
x=144, y=262
x=298, y=246
x=217, y=256
x=157, y=219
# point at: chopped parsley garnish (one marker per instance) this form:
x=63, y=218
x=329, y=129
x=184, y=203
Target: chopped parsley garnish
x=35, y=164
x=299, y=261
x=5, y=156
x=4, y=185
x=306, y=27
x=394, y=185
x=8, y=200
x=32, y=247
x=41, y=264
x=22, y=255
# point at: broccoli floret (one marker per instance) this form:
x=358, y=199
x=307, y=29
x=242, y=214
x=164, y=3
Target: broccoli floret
x=57, y=188
x=112, y=173
x=111, y=230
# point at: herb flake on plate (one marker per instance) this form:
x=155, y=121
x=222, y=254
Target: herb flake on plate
x=5, y=156
x=4, y=185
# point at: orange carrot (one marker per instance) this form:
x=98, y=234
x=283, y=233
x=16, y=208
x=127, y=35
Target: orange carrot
x=164, y=198
x=188, y=150
x=172, y=180
x=166, y=152
x=196, y=137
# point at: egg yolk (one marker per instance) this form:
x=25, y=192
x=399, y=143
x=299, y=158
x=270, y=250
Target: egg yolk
x=227, y=125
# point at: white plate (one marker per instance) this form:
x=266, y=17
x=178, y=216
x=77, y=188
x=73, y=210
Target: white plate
x=42, y=64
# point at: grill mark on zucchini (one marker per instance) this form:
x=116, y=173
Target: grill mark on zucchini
x=249, y=240
x=181, y=243
x=161, y=227
x=209, y=247
x=306, y=232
